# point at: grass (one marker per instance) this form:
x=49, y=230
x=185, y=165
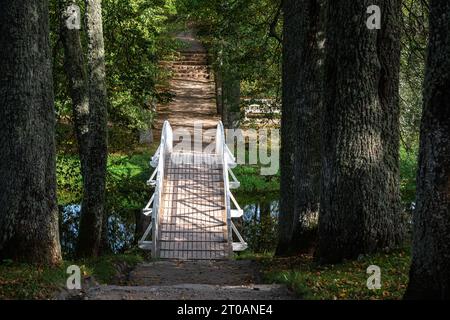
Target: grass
x=120, y=168
x=408, y=171
x=252, y=182
x=23, y=281
x=345, y=281
x=103, y=269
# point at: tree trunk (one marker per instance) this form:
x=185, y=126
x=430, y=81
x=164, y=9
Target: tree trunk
x=28, y=208
x=76, y=74
x=360, y=209
x=218, y=87
x=287, y=192
x=231, y=98
x=105, y=247
x=302, y=84
x=93, y=206
x=430, y=272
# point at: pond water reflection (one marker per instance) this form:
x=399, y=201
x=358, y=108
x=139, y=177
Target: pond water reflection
x=258, y=226
x=120, y=231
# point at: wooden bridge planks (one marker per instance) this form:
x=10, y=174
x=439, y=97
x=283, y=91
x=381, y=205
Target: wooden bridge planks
x=193, y=214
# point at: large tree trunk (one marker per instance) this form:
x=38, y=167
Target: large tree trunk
x=430, y=269
x=302, y=84
x=360, y=211
x=287, y=181
x=28, y=209
x=93, y=206
x=75, y=68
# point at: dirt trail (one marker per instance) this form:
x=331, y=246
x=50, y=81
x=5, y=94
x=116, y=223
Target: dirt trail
x=192, y=280
x=194, y=89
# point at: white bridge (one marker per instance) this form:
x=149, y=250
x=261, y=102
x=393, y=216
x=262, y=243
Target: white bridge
x=192, y=207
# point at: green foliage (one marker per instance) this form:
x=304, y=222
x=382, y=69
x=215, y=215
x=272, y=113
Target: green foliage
x=104, y=268
x=66, y=141
x=23, y=281
x=136, y=37
x=262, y=234
x=69, y=180
x=122, y=140
x=136, y=40
x=414, y=43
x=126, y=184
x=126, y=177
x=408, y=172
x=343, y=281
x=252, y=182
x=237, y=35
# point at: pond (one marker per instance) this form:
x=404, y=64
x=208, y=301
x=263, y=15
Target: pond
x=120, y=231
x=258, y=226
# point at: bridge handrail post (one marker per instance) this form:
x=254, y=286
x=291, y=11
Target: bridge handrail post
x=164, y=150
x=228, y=161
x=223, y=157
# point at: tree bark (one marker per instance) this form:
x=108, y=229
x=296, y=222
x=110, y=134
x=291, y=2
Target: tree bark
x=93, y=206
x=75, y=68
x=28, y=208
x=430, y=272
x=231, y=99
x=218, y=89
x=287, y=181
x=360, y=205
x=302, y=86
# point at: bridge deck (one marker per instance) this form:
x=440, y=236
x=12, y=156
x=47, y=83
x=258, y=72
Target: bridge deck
x=193, y=212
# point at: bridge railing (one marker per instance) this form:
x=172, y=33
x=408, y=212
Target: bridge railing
x=229, y=162
x=152, y=208
x=157, y=180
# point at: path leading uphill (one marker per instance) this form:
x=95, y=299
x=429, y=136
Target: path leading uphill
x=194, y=89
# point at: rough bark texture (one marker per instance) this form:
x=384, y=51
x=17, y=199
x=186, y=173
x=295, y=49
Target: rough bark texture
x=287, y=181
x=28, y=209
x=93, y=206
x=360, y=210
x=218, y=89
x=75, y=68
x=302, y=84
x=231, y=99
x=430, y=269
